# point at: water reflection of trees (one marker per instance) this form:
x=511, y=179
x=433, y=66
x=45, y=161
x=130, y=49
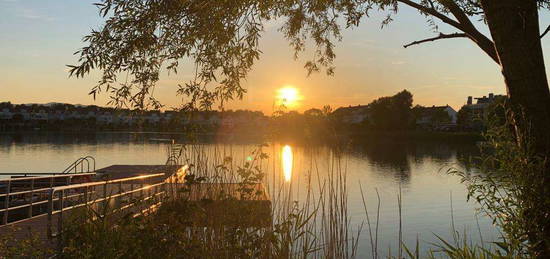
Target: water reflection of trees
x=399, y=155
x=92, y=138
x=390, y=155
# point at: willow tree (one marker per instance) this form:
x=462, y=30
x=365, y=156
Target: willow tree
x=141, y=38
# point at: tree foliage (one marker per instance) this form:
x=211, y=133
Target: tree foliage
x=141, y=38
x=391, y=113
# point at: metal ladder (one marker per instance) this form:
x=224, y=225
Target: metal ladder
x=85, y=163
x=174, y=154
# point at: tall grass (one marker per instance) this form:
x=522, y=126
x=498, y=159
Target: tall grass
x=317, y=227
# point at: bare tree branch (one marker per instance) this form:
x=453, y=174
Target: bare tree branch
x=440, y=37
x=462, y=23
x=545, y=32
x=479, y=38
x=433, y=12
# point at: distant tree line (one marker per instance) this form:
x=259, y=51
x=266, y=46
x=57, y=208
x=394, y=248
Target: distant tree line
x=386, y=114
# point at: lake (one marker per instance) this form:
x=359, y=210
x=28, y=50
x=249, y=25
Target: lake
x=417, y=169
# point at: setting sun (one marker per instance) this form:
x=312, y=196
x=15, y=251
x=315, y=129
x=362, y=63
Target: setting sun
x=288, y=96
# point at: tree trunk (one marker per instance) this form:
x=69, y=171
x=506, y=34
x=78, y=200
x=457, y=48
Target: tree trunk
x=514, y=27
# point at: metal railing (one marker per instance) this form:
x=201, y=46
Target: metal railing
x=139, y=193
x=88, y=160
x=25, y=194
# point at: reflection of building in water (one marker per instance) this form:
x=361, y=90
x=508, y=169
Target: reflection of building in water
x=286, y=158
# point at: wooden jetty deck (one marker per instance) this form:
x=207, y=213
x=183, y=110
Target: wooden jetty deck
x=33, y=205
x=121, y=186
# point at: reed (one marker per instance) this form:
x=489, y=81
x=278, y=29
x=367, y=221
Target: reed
x=315, y=225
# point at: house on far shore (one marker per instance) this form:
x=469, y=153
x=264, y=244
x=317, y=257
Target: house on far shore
x=473, y=115
x=352, y=114
x=5, y=114
x=442, y=118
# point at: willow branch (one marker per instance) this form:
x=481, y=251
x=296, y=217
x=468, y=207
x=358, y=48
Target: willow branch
x=440, y=37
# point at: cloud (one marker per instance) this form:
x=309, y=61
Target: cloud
x=33, y=15
x=363, y=43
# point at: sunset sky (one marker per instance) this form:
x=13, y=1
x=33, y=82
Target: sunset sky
x=38, y=38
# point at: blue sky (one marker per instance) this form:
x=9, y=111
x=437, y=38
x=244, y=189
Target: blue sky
x=38, y=38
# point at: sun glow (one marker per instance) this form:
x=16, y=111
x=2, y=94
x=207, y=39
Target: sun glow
x=287, y=162
x=288, y=96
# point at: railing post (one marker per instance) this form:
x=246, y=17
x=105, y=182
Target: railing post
x=119, y=200
x=105, y=200
x=60, y=221
x=141, y=191
x=7, y=203
x=30, y=202
x=86, y=195
x=132, y=192
x=50, y=212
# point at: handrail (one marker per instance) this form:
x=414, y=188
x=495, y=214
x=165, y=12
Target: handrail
x=80, y=162
x=32, y=181
x=131, y=193
x=43, y=177
x=122, y=191
x=30, y=174
x=81, y=185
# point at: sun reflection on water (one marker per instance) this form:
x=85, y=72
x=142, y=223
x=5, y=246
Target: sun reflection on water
x=287, y=162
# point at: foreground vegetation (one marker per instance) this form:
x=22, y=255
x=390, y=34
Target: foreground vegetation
x=317, y=227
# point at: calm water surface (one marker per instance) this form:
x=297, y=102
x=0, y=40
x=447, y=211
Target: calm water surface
x=417, y=169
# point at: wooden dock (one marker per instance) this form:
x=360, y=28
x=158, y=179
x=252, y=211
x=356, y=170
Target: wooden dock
x=120, y=185
x=32, y=204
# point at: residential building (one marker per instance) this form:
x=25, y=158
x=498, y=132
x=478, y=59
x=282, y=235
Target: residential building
x=472, y=115
x=435, y=117
x=352, y=114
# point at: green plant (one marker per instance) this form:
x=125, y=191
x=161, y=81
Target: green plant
x=509, y=188
x=29, y=246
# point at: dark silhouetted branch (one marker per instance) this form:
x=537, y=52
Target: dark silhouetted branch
x=462, y=23
x=432, y=12
x=468, y=27
x=545, y=32
x=440, y=37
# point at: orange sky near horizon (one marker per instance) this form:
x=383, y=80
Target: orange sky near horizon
x=38, y=40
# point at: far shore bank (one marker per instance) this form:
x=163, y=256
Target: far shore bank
x=262, y=137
